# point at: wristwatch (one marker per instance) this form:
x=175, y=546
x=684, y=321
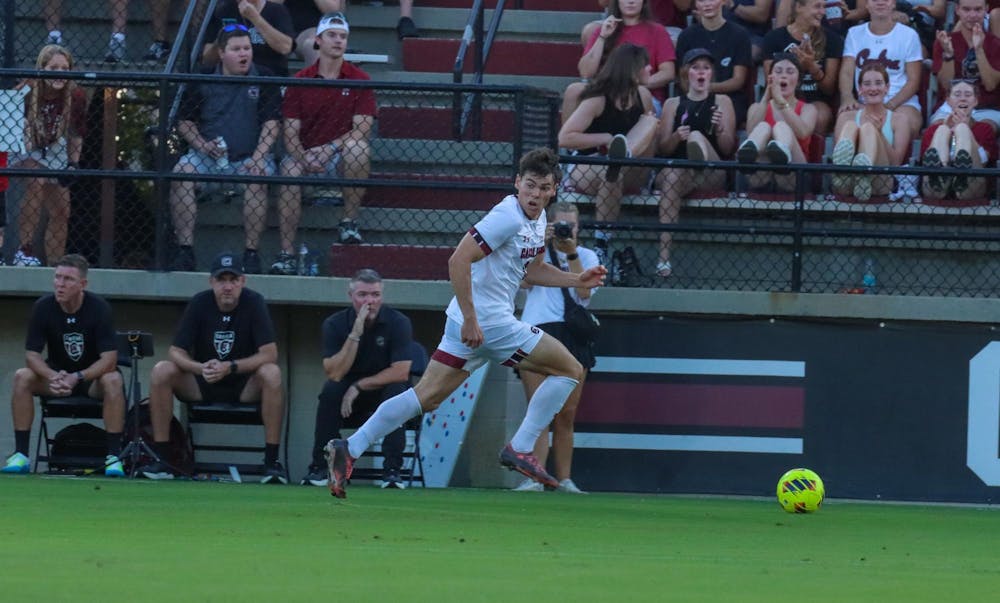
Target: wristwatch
x=232, y=367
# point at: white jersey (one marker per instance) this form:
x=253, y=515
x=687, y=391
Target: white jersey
x=510, y=241
x=545, y=304
x=894, y=50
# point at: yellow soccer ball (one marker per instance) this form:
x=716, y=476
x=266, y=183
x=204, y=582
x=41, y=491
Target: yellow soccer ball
x=800, y=491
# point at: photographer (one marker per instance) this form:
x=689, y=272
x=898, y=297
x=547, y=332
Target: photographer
x=545, y=307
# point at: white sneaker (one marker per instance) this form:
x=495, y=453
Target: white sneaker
x=567, y=485
x=530, y=485
x=22, y=259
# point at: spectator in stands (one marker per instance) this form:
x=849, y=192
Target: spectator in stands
x=76, y=328
x=818, y=50
x=305, y=15
x=159, y=13
x=755, y=17
x=897, y=48
x=959, y=141
x=780, y=124
x=923, y=16
x=700, y=126
x=545, y=308
x=55, y=123
x=969, y=53
x=366, y=359
x=614, y=117
x=271, y=32
x=871, y=135
x=405, y=28
x=230, y=128
x=630, y=21
x=839, y=16
x=672, y=14
x=730, y=47
x=223, y=351
x=327, y=131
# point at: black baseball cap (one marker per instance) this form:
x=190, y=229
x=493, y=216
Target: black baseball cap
x=227, y=262
x=696, y=53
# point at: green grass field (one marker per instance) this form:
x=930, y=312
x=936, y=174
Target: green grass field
x=95, y=539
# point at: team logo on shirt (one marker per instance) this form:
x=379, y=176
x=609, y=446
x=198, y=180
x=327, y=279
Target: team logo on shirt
x=224, y=343
x=380, y=341
x=253, y=92
x=73, y=343
x=865, y=57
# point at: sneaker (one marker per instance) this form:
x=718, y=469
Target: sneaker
x=274, y=474
x=251, y=261
x=285, y=263
x=526, y=464
x=601, y=249
x=529, y=485
x=316, y=476
x=664, y=268
x=23, y=259
x=156, y=470
x=113, y=466
x=158, y=51
x=183, y=260
x=618, y=149
x=349, y=233
x=116, y=50
x=54, y=37
x=406, y=28
x=862, y=183
x=939, y=183
x=17, y=463
x=748, y=152
x=778, y=152
x=962, y=161
x=340, y=465
x=695, y=152
x=567, y=485
x=391, y=479
x=843, y=153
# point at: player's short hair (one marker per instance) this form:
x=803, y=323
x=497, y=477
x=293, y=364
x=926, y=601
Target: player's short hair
x=75, y=260
x=562, y=207
x=365, y=275
x=542, y=161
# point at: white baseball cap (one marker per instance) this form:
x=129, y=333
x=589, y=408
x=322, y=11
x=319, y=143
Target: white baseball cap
x=332, y=21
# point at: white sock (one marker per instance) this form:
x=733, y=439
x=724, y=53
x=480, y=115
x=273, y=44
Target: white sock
x=387, y=418
x=543, y=406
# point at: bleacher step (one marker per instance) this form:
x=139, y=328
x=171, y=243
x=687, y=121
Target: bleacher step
x=506, y=57
x=418, y=262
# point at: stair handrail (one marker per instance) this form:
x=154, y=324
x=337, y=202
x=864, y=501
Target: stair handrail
x=472, y=106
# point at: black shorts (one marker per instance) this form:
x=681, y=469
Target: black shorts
x=228, y=390
x=582, y=351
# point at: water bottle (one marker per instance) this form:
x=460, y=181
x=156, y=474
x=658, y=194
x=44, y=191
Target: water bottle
x=223, y=161
x=314, y=267
x=303, y=258
x=834, y=13
x=868, y=281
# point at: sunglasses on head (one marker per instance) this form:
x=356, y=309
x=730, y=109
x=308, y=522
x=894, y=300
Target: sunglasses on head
x=235, y=27
x=964, y=80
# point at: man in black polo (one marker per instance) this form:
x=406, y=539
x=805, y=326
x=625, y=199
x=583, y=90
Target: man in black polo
x=366, y=358
x=223, y=351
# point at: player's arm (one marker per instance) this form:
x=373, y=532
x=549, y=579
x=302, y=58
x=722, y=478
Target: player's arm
x=36, y=363
x=183, y=360
x=266, y=354
x=460, y=273
x=105, y=363
x=540, y=273
x=397, y=372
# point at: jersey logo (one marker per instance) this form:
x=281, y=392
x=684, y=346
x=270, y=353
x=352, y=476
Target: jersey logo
x=224, y=343
x=70, y=320
x=380, y=341
x=865, y=57
x=73, y=343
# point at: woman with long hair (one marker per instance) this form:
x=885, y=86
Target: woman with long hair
x=615, y=117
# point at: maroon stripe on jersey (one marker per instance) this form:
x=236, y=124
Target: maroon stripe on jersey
x=478, y=238
x=692, y=404
x=448, y=359
x=515, y=358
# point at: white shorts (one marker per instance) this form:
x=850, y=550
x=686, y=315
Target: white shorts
x=508, y=344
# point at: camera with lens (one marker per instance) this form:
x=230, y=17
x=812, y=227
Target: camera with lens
x=563, y=230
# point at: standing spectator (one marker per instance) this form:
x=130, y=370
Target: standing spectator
x=55, y=123
x=730, y=47
x=896, y=47
x=405, y=28
x=305, y=15
x=969, y=53
x=245, y=118
x=672, y=14
x=614, y=117
x=701, y=126
x=270, y=28
x=486, y=270
x=545, y=307
x=366, y=359
x=223, y=351
x=76, y=328
x=159, y=14
x=327, y=131
x=818, y=50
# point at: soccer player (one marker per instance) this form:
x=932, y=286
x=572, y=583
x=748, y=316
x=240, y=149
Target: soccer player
x=486, y=270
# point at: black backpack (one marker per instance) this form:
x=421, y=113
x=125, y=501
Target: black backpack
x=180, y=454
x=81, y=440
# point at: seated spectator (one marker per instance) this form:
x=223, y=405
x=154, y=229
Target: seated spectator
x=838, y=15
x=615, y=117
x=924, y=17
x=271, y=32
x=969, y=53
x=223, y=351
x=366, y=359
x=327, y=131
x=780, y=124
x=959, y=141
x=700, y=126
x=753, y=16
x=159, y=14
x=55, y=123
x=818, y=50
x=405, y=28
x=871, y=135
x=629, y=22
x=75, y=327
x=730, y=47
x=230, y=128
x=897, y=48
x=671, y=14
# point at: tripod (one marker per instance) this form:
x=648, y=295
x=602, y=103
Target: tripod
x=139, y=345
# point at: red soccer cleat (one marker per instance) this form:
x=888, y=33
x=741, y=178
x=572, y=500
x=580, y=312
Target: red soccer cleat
x=340, y=465
x=527, y=464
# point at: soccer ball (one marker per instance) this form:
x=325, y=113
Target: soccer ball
x=800, y=491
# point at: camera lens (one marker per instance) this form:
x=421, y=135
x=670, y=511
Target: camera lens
x=563, y=230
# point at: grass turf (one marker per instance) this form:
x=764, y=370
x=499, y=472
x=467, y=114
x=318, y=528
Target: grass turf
x=96, y=539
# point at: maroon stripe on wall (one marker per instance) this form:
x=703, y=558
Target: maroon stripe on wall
x=697, y=405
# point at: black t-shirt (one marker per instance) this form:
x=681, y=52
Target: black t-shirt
x=730, y=46
x=74, y=341
x=275, y=14
x=304, y=13
x=779, y=40
x=385, y=342
x=207, y=333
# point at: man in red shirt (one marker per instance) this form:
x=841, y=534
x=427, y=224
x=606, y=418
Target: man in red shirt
x=327, y=132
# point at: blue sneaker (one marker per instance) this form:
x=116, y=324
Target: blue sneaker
x=17, y=463
x=113, y=466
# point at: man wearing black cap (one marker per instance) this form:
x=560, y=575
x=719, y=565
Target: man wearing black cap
x=223, y=351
